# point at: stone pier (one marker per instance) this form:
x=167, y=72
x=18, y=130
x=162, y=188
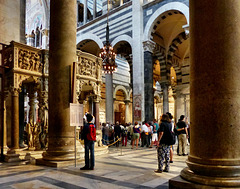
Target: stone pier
x=214, y=160
x=62, y=53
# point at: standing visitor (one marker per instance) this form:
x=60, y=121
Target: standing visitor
x=154, y=135
x=182, y=136
x=117, y=132
x=105, y=133
x=136, y=134
x=89, y=137
x=163, y=148
x=172, y=129
x=130, y=131
x=124, y=135
x=144, y=134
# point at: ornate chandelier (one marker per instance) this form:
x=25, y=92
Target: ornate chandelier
x=108, y=55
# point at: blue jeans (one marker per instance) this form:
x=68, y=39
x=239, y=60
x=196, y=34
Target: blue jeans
x=89, y=145
x=105, y=140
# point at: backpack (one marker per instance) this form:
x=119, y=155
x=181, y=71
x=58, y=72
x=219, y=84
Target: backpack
x=172, y=138
x=91, y=134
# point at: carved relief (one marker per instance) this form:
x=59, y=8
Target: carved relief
x=29, y=60
x=19, y=78
x=8, y=58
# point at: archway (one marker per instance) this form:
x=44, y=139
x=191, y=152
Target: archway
x=167, y=28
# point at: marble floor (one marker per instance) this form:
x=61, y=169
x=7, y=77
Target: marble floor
x=120, y=168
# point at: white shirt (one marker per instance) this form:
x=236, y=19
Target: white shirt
x=145, y=128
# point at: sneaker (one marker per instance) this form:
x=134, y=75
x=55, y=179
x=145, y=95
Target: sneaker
x=185, y=154
x=165, y=170
x=171, y=161
x=158, y=171
x=84, y=168
x=91, y=168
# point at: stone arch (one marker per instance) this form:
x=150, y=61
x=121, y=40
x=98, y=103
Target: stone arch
x=130, y=93
x=89, y=36
x=122, y=45
x=122, y=38
x=122, y=88
x=173, y=47
x=181, y=7
x=46, y=14
x=156, y=95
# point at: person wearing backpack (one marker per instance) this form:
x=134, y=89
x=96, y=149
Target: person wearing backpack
x=182, y=136
x=164, y=143
x=89, y=137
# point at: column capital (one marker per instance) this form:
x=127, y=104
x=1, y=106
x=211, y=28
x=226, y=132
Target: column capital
x=149, y=46
x=165, y=84
x=97, y=99
x=15, y=91
x=127, y=102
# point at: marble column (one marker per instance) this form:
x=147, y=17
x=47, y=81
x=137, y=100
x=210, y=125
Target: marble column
x=45, y=39
x=164, y=87
x=30, y=40
x=12, y=154
x=96, y=112
x=15, y=119
x=137, y=63
x=5, y=147
x=121, y=2
x=62, y=53
x=94, y=8
x=179, y=105
x=127, y=113
x=109, y=97
x=214, y=160
x=85, y=12
x=21, y=118
x=148, y=80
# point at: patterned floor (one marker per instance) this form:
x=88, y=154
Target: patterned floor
x=120, y=168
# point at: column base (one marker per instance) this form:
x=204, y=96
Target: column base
x=189, y=179
x=57, y=163
x=12, y=156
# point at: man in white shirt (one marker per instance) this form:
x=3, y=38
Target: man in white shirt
x=144, y=133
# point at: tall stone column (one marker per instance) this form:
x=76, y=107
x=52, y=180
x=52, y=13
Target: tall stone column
x=15, y=119
x=62, y=54
x=214, y=159
x=179, y=105
x=109, y=97
x=12, y=154
x=30, y=40
x=85, y=12
x=96, y=112
x=148, y=80
x=5, y=147
x=164, y=87
x=138, y=63
x=45, y=39
x=127, y=114
x=94, y=8
x=21, y=118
